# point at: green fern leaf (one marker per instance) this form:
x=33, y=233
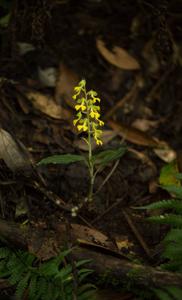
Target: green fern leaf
x=82, y=262
x=165, y=204
x=4, y=252
x=175, y=292
x=170, y=219
x=179, y=176
x=65, y=274
x=173, y=266
x=173, y=252
x=162, y=294
x=60, y=258
x=83, y=273
x=86, y=291
x=42, y=284
x=33, y=287
x=16, y=274
x=21, y=286
x=174, y=235
x=49, y=292
x=49, y=268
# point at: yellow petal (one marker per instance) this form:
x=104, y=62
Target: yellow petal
x=92, y=114
x=83, y=107
x=77, y=107
x=99, y=142
x=101, y=123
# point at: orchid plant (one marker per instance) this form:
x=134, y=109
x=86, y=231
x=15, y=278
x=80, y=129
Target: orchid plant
x=87, y=121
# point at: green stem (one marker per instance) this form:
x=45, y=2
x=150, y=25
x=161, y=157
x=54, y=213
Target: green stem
x=90, y=162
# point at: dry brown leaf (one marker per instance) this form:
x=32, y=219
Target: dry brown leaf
x=123, y=243
x=133, y=135
x=107, y=136
x=144, y=124
x=118, y=57
x=47, y=246
x=166, y=154
x=46, y=104
x=84, y=233
x=66, y=81
x=13, y=153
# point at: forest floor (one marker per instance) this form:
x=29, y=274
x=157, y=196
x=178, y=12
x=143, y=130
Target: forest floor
x=130, y=53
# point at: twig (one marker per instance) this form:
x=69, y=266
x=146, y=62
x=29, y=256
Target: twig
x=107, y=177
x=137, y=234
x=53, y=197
x=100, y=262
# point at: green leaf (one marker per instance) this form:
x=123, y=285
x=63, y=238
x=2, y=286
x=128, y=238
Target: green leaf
x=61, y=159
x=168, y=174
x=173, y=189
x=164, y=204
x=173, y=252
x=179, y=176
x=5, y=20
x=104, y=157
x=169, y=219
x=174, y=235
x=175, y=292
x=22, y=285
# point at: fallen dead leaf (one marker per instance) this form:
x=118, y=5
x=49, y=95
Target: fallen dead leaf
x=144, y=124
x=13, y=153
x=84, y=233
x=47, y=76
x=47, y=105
x=47, y=246
x=133, y=135
x=166, y=154
x=123, y=243
x=66, y=81
x=118, y=57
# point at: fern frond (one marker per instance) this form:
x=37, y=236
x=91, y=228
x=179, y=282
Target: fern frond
x=49, y=268
x=175, y=292
x=166, y=204
x=173, y=252
x=49, y=291
x=86, y=291
x=170, y=219
x=174, y=235
x=65, y=274
x=33, y=287
x=170, y=293
x=22, y=285
x=50, y=280
x=16, y=274
x=83, y=273
x=4, y=252
x=173, y=266
x=162, y=294
x=42, y=284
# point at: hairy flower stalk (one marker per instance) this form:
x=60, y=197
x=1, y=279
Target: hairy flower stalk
x=88, y=121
